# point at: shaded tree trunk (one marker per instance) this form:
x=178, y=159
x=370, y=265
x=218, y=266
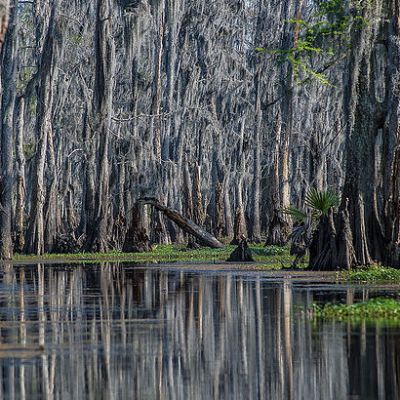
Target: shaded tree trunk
x=137, y=240
x=4, y=15
x=365, y=114
x=34, y=242
x=103, y=91
x=369, y=115
x=256, y=199
x=393, y=124
x=332, y=244
x=240, y=226
x=8, y=77
x=279, y=223
x=20, y=178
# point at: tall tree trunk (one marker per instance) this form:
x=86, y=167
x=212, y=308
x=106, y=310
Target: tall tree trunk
x=279, y=223
x=51, y=208
x=103, y=91
x=4, y=15
x=364, y=113
x=8, y=77
x=34, y=242
x=256, y=199
x=20, y=178
x=393, y=124
x=156, y=101
x=368, y=115
x=240, y=226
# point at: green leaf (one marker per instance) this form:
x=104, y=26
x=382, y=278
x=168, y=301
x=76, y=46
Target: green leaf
x=321, y=201
x=297, y=215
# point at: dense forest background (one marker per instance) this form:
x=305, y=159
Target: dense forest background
x=215, y=108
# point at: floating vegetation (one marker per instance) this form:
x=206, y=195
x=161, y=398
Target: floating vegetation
x=371, y=275
x=373, y=309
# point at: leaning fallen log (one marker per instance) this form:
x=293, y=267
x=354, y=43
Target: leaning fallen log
x=205, y=238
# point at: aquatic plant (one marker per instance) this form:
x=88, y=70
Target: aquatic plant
x=372, y=274
x=373, y=309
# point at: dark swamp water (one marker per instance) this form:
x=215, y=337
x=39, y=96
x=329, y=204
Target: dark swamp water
x=113, y=332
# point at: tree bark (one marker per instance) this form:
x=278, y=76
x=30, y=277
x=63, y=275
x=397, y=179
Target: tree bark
x=279, y=223
x=34, y=242
x=8, y=77
x=20, y=178
x=4, y=16
x=137, y=239
x=103, y=92
x=364, y=114
x=393, y=222
x=155, y=127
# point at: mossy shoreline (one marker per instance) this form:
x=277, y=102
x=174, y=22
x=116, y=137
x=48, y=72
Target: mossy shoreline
x=266, y=257
x=273, y=256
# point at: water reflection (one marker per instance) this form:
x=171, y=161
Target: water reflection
x=107, y=332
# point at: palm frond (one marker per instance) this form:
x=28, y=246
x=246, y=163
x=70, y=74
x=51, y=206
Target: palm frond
x=321, y=201
x=297, y=215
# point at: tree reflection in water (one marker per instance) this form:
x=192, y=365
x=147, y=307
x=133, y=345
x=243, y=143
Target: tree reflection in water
x=113, y=332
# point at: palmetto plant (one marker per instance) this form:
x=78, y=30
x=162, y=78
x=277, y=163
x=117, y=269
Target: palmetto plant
x=321, y=201
x=317, y=204
x=297, y=215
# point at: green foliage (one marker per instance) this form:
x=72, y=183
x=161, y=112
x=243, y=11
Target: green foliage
x=270, y=250
x=325, y=33
x=321, y=201
x=29, y=150
x=76, y=39
x=297, y=215
x=24, y=77
x=374, y=309
x=371, y=275
x=318, y=201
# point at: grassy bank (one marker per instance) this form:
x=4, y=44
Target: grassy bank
x=271, y=255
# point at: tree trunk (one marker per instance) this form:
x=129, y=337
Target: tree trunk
x=256, y=215
x=240, y=226
x=51, y=208
x=34, y=242
x=364, y=113
x=137, y=239
x=4, y=15
x=20, y=178
x=155, y=127
x=279, y=223
x=393, y=222
x=8, y=77
x=103, y=92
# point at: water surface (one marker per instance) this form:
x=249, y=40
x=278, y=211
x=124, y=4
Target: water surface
x=126, y=332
